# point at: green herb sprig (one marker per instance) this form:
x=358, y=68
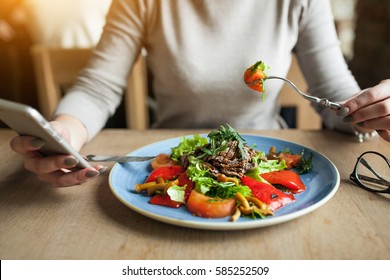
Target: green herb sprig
x=219, y=140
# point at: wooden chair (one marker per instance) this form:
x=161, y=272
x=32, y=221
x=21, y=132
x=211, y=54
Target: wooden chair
x=306, y=117
x=57, y=68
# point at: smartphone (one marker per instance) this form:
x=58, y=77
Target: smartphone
x=25, y=120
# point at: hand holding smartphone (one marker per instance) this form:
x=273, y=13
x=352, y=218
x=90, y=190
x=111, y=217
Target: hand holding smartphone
x=25, y=120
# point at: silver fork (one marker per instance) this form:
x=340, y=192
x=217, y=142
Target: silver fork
x=95, y=158
x=321, y=101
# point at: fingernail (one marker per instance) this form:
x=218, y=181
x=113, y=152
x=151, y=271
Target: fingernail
x=70, y=161
x=343, y=111
x=92, y=173
x=37, y=142
x=348, y=119
x=103, y=169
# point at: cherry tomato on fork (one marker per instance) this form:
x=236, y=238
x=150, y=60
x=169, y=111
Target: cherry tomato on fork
x=254, y=76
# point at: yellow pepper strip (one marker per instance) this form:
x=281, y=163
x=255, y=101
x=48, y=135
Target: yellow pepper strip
x=236, y=215
x=223, y=178
x=141, y=187
x=160, y=179
x=247, y=205
x=263, y=207
x=170, y=184
x=243, y=202
x=150, y=187
x=246, y=211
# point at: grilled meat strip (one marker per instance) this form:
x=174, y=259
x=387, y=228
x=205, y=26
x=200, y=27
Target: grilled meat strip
x=230, y=161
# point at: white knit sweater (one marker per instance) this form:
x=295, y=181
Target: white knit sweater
x=198, y=51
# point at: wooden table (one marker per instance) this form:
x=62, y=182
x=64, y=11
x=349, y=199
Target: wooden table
x=88, y=222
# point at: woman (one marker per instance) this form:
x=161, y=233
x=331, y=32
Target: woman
x=197, y=52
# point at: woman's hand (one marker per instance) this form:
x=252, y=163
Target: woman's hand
x=55, y=170
x=370, y=110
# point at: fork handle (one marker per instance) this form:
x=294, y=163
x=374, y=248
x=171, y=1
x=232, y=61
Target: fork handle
x=321, y=101
x=326, y=103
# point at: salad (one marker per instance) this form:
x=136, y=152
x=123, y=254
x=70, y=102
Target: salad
x=220, y=175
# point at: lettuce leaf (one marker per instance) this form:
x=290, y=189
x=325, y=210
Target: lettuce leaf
x=187, y=146
x=265, y=167
x=271, y=165
x=176, y=193
x=206, y=184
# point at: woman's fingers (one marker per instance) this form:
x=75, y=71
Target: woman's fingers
x=59, y=170
x=385, y=134
x=370, y=110
x=41, y=165
x=26, y=144
x=372, y=96
x=375, y=116
x=63, y=178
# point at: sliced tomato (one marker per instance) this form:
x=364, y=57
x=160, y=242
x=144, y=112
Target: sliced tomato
x=162, y=160
x=165, y=172
x=209, y=207
x=254, y=76
x=291, y=159
x=165, y=200
x=267, y=193
x=286, y=178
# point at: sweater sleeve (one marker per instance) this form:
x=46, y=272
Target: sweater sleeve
x=322, y=61
x=99, y=88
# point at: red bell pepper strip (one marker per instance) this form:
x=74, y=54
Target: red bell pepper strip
x=267, y=193
x=165, y=172
x=286, y=178
x=184, y=180
x=165, y=200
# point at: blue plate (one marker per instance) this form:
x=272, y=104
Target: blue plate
x=322, y=183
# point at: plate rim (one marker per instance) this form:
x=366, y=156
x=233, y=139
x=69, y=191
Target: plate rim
x=250, y=224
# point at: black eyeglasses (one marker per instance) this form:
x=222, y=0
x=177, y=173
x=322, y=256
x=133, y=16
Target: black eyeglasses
x=372, y=172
